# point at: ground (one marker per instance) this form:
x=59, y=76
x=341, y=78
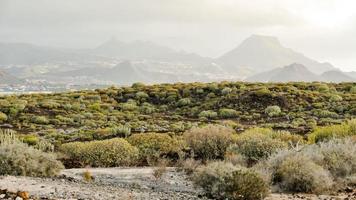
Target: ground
x=125, y=184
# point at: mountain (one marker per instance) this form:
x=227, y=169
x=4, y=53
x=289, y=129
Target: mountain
x=28, y=54
x=8, y=79
x=337, y=76
x=351, y=74
x=142, y=50
x=263, y=53
x=291, y=73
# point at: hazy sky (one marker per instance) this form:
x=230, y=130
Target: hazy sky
x=321, y=29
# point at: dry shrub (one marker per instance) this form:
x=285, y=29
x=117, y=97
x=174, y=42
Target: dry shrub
x=21, y=160
x=209, y=142
x=223, y=180
x=301, y=174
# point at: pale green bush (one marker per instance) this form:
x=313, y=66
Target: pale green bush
x=209, y=142
x=153, y=146
x=19, y=159
x=106, y=153
x=222, y=180
x=301, y=174
x=3, y=117
x=273, y=111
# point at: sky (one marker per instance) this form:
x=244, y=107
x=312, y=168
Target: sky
x=324, y=30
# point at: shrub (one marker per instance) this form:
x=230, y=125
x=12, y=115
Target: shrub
x=19, y=159
x=228, y=113
x=209, y=142
x=353, y=90
x=336, y=131
x=273, y=111
x=152, y=146
x=256, y=146
x=212, y=178
x=301, y=174
x=3, y=117
x=245, y=184
x=208, y=114
x=183, y=102
x=221, y=180
x=338, y=156
x=226, y=91
x=106, y=153
x=335, y=98
x=40, y=120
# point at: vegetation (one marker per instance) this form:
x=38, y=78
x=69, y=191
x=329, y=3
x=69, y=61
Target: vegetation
x=18, y=158
x=223, y=180
x=236, y=140
x=107, y=153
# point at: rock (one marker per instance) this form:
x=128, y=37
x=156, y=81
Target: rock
x=18, y=198
x=24, y=195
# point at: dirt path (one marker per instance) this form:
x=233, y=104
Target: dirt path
x=125, y=184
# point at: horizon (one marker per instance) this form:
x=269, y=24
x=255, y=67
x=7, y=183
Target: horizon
x=322, y=30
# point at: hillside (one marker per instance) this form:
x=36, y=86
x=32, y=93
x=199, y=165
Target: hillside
x=299, y=73
x=263, y=53
x=142, y=50
x=8, y=79
x=177, y=107
x=337, y=76
x=294, y=73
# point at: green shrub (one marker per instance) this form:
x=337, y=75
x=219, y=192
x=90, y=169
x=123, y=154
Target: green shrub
x=335, y=98
x=106, y=153
x=227, y=113
x=153, y=146
x=353, y=90
x=209, y=142
x=3, y=117
x=273, y=111
x=226, y=91
x=18, y=159
x=221, y=180
x=40, y=120
x=184, y=102
x=208, y=114
x=256, y=146
x=336, y=131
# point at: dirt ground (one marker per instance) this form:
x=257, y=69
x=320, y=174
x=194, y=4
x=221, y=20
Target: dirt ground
x=124, y=184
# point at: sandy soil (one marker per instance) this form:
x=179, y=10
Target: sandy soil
x=125, y=184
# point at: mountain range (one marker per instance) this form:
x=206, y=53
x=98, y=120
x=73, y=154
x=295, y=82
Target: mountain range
x=262, y=53
x=260, y=58
x=299, y=73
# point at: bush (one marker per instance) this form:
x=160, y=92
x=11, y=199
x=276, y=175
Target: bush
x=18, y=159
x=209, y=142
x=183, y=102
x=228, y=113
x=106, y=153
x=256, y=146
x=353, y=90
x=336, y=131
x=153, y=146
x=40, y=120
x=212, y=178
x=301, y=174
x=222, y=180
x=273, y=111
x=3, y=117
x=208, y=114
x=335, y=98
x=338, y=156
